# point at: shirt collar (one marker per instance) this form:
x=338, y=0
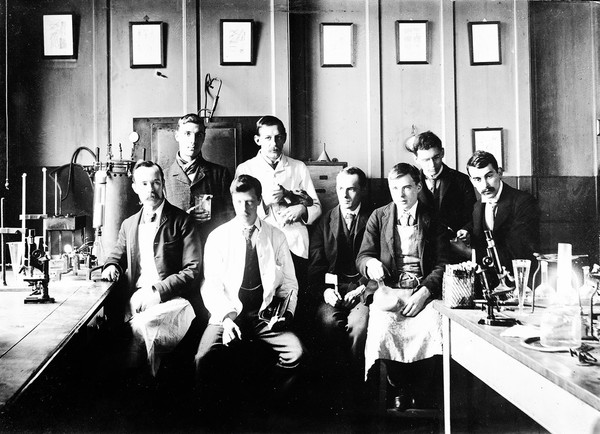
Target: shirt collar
x=412, y=211
x=241, y=225
x=496, y=197
x=158, y=211
x=279, y=161
x=344, y=212
x=437, y=175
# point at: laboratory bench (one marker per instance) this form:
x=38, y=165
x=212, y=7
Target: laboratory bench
x=32, y=335
x=552, y=388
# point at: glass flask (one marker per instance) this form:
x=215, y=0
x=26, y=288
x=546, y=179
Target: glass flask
x=561, y=321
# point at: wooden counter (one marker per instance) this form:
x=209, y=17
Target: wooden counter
x=31, y=335
x=552, y=388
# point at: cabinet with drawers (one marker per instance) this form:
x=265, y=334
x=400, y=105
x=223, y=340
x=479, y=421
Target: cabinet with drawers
x=323, y=175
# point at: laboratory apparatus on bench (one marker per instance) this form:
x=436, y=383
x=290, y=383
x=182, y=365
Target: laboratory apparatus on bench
x=114, y=200
x=36, y=269
x=496, y=282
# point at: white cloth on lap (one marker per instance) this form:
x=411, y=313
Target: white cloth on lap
x=392, y=336
x=162, y=327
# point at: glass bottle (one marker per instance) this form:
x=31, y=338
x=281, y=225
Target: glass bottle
x=587, y=289
x=561, y=321
x=544, y=291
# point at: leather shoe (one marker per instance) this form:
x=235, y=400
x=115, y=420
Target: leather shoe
x=402, y=401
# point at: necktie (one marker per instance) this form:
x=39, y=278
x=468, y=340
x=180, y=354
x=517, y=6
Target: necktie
x=349, y=218
x=248, y=236
x=490, y=213
x=149, y=217
x=432, y=184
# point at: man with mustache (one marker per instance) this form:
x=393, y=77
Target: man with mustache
x=511, y=215
x=159, y=257
x=191, y=175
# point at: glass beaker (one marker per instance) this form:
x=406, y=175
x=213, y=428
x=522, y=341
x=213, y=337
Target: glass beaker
x=521, y=269
x=203, y=205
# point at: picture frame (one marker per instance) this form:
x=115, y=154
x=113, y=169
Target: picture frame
x=237, y=42
x=490, y=140
x=412, y=42
x=59, y=36
x=337, y=44
x=146, y=44
x=484, y=43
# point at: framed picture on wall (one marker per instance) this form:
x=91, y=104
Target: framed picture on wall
x=59, y=36
x=237, y=42
x=337, y=44
x=146, y=44
x=490, y=140
x=484, y=43
x=411, y=42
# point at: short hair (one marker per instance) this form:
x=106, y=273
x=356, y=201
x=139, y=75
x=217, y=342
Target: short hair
x=481, y=159
x=147, y=163
x=403, y=169
x=353, y=170
x=191, y=118
x=425, y=141
x=269, y=121
x=245, y=183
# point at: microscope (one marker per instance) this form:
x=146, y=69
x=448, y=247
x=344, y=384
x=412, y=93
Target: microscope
x=36, y=270
x=496, y=283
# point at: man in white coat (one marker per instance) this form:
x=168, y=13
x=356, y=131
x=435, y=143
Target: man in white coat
x=249, y=270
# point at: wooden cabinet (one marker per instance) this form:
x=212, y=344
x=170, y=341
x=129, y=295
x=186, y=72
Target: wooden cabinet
x=323, y=175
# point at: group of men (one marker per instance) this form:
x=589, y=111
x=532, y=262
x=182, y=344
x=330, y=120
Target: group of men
x=365, y=277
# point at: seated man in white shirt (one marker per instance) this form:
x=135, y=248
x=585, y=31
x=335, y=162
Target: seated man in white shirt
x=249, y=268
x=160, y=255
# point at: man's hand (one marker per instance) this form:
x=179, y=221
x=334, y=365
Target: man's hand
x=464, y=236
x=332, y=297
x=352, y=298
x=144, y=298
x=277, y=193
x=292, y=214
x=416, y=302
x=231, y=331
x=111, y=273
x=282, y=322
x=375, y=269
x=200, y=216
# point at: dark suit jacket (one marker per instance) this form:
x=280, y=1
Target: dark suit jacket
x=516, y=227
x=323, y=256
x=457, y=197
x=177, y=254
x=212, y=179
x=378, y=242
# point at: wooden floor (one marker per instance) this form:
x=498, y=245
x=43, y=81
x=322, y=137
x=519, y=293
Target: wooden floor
x=76, y=395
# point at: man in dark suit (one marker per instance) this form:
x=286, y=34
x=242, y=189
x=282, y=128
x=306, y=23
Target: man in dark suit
x=191, y=175
x=405, y=249
x=334, y=245
x=446, y=191
x=511, y=215
x=160, y=256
